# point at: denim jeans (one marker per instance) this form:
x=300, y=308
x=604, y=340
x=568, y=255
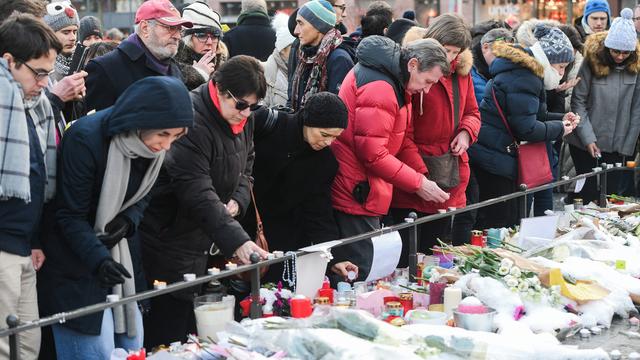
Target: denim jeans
x=74, y=345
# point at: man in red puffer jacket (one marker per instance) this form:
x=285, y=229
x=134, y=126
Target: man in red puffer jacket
x=376, y=152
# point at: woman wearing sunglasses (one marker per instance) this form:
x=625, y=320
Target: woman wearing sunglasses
x=202, y=191
x=608, y=103
x=201, y=50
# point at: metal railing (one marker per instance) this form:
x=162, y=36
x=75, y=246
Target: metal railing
x=15, y=326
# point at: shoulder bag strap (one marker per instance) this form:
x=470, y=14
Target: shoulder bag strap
x=504, y=120
x=260, y=239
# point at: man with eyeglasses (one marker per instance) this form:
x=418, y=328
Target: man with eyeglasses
x=200, y=52
x=28, y=50
x=148, y=52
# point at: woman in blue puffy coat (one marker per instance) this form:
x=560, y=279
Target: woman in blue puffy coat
x=519, y=81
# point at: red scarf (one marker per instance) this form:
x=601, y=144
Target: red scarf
x=213, y=93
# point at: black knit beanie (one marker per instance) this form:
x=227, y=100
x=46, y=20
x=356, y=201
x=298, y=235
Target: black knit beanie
x=89, y=25
x=325, y=110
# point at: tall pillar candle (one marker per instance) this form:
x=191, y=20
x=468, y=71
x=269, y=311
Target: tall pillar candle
x=452, y=297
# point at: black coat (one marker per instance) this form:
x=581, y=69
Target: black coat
x=111, y=74
x=202, y=172
x=253, y=36
x=292, y=184
x=68, y=279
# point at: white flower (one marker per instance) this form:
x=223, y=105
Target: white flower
x=503, y=270
x=512, y=282
x=534, y=281
x=523, y=286
x=513, y=289
x=508, y=263
x=537, y=287
x=515, y=271
x=508, y=277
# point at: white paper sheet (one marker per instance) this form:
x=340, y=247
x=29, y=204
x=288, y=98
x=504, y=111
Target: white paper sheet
x=386, y=255
x=310, y=273
x=543, y=227
x=579, y=185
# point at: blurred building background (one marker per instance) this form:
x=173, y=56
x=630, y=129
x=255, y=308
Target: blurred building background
x=120, y=13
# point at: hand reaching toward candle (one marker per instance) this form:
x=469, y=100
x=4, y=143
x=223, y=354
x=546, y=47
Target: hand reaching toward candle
x=343, y=269
x=245, y=250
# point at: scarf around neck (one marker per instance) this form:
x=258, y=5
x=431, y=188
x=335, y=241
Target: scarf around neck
x=122, y=149
x=318, y=63
x=14, y=138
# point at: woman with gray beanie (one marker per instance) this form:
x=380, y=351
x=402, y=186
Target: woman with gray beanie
x=605, y=101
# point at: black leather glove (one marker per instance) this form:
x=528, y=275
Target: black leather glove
x=117, y=229
x=111, y=273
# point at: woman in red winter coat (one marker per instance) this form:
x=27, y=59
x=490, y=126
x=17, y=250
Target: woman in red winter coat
x=437, y=132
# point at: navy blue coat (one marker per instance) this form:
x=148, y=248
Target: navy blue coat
x=20, y=221
x=74, y=253
x=111, y=74
x=519, y=88
x=253, y=36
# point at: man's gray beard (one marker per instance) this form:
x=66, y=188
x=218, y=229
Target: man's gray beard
x=160, y=52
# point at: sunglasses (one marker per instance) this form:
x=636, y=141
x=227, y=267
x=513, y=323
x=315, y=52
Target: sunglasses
x=243, y=105
x=203, y=37
x=619, y=52
x=37, y=74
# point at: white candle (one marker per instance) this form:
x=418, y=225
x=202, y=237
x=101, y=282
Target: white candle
x=231, y=266
x=452, y=297
x=189, y=277
x=159, y=285
x=213, y=271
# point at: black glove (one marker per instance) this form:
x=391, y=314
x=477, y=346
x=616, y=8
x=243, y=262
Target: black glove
x=117, y=229
x=111, y=273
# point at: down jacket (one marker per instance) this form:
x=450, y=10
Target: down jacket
x=519, y=88
x=433, y=132
x=377, y=149
x=608, y=102
x=203, y=171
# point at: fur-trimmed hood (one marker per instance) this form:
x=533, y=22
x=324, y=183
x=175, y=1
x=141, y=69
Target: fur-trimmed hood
x=464, y=63
x=517, y=56
x=525, y=36
x=593, y=45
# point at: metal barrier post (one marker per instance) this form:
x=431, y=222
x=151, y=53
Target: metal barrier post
x=413, y=245
x=603, y=188
x=522, y=202
x=14, y=352
x=256, y=308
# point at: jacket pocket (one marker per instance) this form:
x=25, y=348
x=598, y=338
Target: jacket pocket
x=628, y=78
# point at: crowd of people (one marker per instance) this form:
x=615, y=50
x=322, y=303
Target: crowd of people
x=133, y=160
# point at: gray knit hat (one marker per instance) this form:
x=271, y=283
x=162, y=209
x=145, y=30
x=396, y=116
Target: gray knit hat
x=622, y=34
x=61, y=14
x=89, y=25
x=555, y=44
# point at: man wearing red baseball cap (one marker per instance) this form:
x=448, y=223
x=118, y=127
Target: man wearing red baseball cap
x=148, y=52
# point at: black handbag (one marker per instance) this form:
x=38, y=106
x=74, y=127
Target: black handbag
x=444, y=169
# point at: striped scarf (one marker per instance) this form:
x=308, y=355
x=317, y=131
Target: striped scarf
x=318, y=77
x=14, y=138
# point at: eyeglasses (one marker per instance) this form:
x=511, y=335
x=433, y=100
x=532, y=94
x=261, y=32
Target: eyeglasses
x=636, y=18
x=342, y=7
x=619, y=52
x=203, y=37
x=243, y=105
x=171, y=29
x=37, y=74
